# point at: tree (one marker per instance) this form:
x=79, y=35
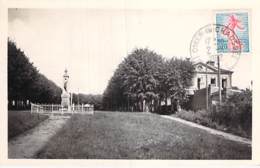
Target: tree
x=177, y=78
x=134, y=85
x=113, y=97
x=25, y=82
x=144, y=79
x=21, y=73
x=141, y=77
x=95, y=100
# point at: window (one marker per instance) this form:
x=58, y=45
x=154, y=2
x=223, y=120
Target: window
x=198, y=83
x=213, y=81
x=224, y=83
x=200, y=68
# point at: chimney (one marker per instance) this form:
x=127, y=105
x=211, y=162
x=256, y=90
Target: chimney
x=211, y=63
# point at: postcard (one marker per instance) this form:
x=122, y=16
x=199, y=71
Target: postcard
x=129, y=83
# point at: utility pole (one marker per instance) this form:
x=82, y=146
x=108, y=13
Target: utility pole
x=207, y=94
x=78, y=96
x=219, y=80
x=71, y=99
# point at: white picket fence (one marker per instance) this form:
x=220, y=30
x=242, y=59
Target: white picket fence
x=59, y=109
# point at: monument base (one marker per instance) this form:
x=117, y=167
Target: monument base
x=65, y=100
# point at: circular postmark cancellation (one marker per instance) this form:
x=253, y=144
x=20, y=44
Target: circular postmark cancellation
x=215, y=40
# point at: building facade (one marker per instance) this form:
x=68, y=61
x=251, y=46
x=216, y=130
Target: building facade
x=207, y=74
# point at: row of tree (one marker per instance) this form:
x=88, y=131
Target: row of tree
x=144, y=79
x=95, y=100
x=140, y=83
x=25, y=83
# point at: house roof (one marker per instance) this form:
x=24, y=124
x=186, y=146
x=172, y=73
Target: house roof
x=213, y=68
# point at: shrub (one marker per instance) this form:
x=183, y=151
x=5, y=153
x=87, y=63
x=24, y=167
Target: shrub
x=234, y=115
x=201, y=117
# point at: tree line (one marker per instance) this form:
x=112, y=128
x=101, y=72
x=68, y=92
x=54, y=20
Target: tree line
x=95, y=100
x=141, y=82
x=145, y=79
x=26, y=83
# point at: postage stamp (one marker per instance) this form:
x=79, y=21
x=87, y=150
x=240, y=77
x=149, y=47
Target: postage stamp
x=238, y=23
x=227, y=38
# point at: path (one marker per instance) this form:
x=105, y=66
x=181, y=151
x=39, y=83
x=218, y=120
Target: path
x=29, y=143
x=212, y=131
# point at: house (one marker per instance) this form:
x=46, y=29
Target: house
x=207, y=75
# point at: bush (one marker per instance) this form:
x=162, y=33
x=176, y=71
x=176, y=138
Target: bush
x=164, y=110
x=201, y=117
x=234, y=115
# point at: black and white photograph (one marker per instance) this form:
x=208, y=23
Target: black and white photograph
x=130, y=84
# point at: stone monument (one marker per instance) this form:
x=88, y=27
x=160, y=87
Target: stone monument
x=65, y=96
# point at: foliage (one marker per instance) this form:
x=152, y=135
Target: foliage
x=202, y=117
x=144, y=79
x=176, y=77
x=25, y=82
x=234, y=115
x=96, y=100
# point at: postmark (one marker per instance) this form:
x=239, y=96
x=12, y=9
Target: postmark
x=208, y=42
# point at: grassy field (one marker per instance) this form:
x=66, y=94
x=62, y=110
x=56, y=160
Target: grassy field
x=21, y=121
x=114, y=135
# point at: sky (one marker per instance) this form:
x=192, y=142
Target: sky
x=91, y=43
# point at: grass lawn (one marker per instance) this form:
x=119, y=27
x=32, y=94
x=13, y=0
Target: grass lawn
x=115, y=135
x=21, y=121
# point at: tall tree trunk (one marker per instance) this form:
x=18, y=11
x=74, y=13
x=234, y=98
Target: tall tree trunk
x=144, y=105
x=155, y=104
x=166, y=97
x=140, y=104
x=159, y=104
x=172, y=105
x=178, y=106
x=148, y=105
